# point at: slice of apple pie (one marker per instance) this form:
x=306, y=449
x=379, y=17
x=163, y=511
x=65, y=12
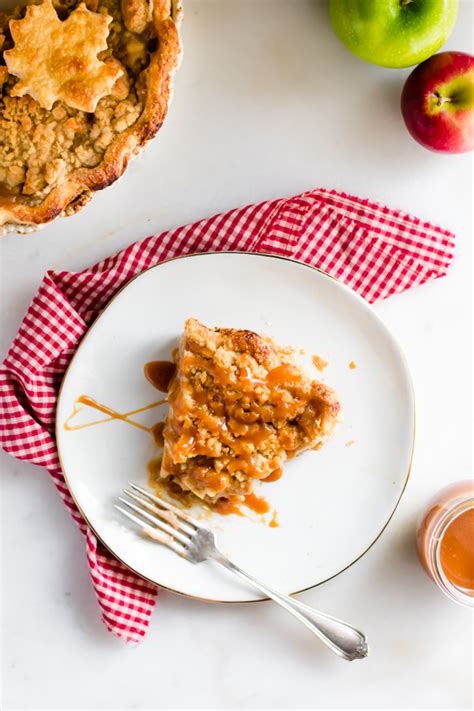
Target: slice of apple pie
x=239, y=408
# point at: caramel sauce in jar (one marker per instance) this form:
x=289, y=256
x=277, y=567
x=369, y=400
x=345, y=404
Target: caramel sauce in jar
x=445, y=541
x=457, y=551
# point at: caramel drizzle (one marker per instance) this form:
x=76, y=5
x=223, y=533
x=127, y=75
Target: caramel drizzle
x=113, y=414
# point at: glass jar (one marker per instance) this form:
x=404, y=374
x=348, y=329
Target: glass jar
x=445, y=541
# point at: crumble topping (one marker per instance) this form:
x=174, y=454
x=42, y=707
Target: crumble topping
x=239, y=408
x=319, y=362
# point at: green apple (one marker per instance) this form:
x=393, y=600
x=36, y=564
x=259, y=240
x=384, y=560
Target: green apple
x=393, y=33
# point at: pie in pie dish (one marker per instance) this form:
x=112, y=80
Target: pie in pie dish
x=83, y=87
x=240, y=406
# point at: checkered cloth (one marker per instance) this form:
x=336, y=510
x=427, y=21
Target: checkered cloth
x=374, y=250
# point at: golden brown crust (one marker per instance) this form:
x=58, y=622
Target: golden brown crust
x=57, y=60
x=78, y=187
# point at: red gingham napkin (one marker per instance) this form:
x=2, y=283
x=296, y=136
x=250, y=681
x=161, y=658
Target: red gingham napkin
x=374, y=250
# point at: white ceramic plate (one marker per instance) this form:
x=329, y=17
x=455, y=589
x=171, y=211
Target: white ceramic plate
x=332, y=504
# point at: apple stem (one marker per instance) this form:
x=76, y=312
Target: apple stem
x=405, y=2
x=441, y=100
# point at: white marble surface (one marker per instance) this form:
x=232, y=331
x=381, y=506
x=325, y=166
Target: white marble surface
x=267, y=103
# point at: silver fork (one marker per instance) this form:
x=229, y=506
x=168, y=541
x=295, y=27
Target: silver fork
x=176, y=529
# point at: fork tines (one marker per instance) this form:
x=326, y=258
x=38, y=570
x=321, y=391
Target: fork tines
x=157, y=518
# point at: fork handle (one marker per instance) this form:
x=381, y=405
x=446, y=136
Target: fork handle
x=342, y=638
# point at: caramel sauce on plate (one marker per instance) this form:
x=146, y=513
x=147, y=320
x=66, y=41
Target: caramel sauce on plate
x=159, y=373
x=273, y=521
x=226, y=507
x=154, y=468
x=112, y=414
x=252, y=501
x=257, y=504
x=157, y=432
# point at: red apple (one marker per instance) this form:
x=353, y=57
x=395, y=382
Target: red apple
x=438, y=102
